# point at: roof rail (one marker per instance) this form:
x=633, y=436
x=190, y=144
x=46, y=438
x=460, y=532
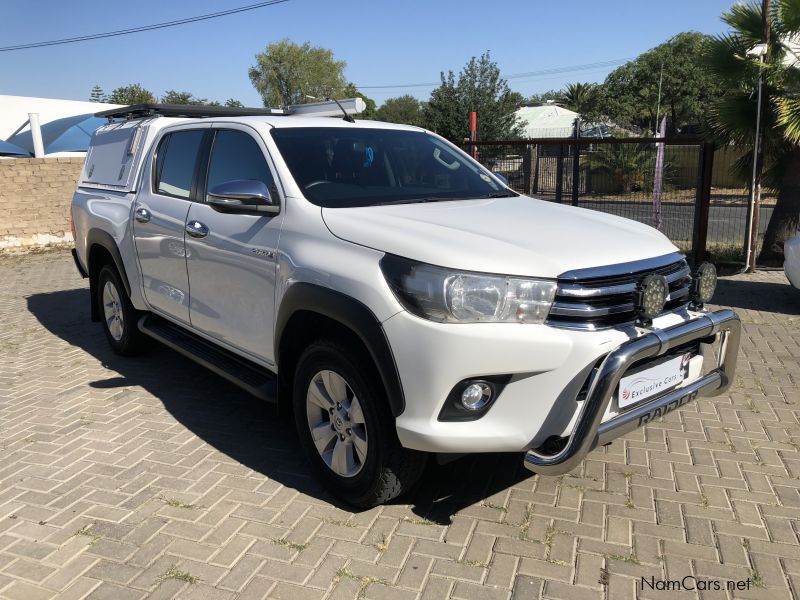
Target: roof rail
x=351, y=106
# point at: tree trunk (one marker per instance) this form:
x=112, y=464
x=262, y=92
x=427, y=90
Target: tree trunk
x=783, y=223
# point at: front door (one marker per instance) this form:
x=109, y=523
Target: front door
x=160, y=218
x=232, y=266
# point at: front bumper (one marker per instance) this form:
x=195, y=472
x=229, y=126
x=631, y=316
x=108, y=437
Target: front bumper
x=590, y=430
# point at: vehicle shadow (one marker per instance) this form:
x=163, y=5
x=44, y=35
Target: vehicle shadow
x=249, y=431
x=758, y=295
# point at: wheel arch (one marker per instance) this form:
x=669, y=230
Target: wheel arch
x=308, y=310
x=102, y=249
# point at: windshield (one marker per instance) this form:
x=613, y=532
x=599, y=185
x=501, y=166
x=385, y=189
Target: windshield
x=338, y=167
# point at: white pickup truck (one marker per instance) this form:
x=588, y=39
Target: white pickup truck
x=388, y=290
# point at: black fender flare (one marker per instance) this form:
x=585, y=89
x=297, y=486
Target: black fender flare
x=355, y=316
x=98, y=237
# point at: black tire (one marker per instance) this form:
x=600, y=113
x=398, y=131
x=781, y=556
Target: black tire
x=126, y=340
x=388, y=469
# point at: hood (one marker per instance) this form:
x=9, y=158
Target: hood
x=511, y=236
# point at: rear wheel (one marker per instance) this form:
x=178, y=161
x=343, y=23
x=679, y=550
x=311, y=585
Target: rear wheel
x=118, y=315
x=346, y=428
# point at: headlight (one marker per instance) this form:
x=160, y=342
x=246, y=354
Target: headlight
x=448, y=296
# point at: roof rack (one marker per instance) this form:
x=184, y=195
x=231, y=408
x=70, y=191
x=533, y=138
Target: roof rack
x=351, y=106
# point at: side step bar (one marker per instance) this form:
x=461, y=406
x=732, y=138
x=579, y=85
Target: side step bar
x=249, y=376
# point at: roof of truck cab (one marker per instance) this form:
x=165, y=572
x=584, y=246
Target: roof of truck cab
x=280, y=121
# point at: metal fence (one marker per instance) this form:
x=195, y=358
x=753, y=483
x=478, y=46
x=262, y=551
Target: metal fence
x=702, y=205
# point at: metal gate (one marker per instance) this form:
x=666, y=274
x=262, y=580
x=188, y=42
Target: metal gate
x=665, y=183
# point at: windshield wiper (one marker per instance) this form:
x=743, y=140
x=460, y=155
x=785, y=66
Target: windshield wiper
x=499, y=195
x=416, y=200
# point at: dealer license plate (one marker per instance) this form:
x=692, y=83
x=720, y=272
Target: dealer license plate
x=645, y=384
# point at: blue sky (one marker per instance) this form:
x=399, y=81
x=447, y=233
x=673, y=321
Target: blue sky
x=384, y=43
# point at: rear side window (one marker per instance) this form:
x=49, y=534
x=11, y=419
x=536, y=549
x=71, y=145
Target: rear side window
x=175, y=162
x=236, y=155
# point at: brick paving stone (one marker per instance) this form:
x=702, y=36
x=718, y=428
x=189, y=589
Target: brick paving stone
x=117, y=472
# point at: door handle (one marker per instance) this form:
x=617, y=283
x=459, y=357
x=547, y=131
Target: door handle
x=142, y=215
x=196, y=229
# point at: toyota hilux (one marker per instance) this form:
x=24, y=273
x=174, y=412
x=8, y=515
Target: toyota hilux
x=388, y=290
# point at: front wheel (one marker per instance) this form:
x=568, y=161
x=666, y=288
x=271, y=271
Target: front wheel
x=346, y=428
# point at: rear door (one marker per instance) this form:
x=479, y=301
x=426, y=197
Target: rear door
x=232, y=267
x=162, y=205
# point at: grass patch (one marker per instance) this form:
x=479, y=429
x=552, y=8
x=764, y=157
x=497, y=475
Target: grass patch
x=364, y=580
x=174, y=573
x=550, y=536
x=757, y=580
x=86, y=532
x=383, y=544
x=293, y=545
x=414, y=521
x=630, y=558
x=331, y=521
x=494, y=506
x=525, y=524
x=728, y=440
x=175, y=503
x=473, y=563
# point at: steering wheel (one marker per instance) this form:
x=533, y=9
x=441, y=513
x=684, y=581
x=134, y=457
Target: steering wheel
x=308, y=186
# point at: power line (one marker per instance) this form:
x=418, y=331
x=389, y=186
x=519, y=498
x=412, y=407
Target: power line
x=553, y=71
x=165, y=24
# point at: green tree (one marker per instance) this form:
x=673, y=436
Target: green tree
x=442, y=112
x=233, y=103
x=583, y=98
x=403, y=109
x=97, y=94
x=631, y=93
x=543, y=97
x=285, y=73
x=131, y=94
x=733, y=115
x=629, y=167
x=479, y=88
x=351, y=91
x=175, y=97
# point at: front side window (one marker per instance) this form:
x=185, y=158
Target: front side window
x=342, y=167
x=236, y=155
x=176, y=161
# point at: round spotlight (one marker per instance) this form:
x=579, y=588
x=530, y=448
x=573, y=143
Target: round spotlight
x=705, y=283
x=652, y=296
x=476, y=395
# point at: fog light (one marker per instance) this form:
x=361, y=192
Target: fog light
x=652, y=296
x=476, y=395
x=704, y=284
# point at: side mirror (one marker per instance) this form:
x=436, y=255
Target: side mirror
x=248, y=196
x=502, y=178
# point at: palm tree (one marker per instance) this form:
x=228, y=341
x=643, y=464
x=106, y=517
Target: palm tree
x=579, y=97
x=733, y=117
x=629, y=167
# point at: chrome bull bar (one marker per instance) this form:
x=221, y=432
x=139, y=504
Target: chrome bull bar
x=589, y=431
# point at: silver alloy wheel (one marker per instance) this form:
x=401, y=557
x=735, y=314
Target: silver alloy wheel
x=336, y=423
x=112, y=311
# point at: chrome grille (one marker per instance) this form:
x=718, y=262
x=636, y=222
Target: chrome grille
x=604, y=297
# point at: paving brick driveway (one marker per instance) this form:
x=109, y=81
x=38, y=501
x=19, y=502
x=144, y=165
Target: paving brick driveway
x=153, y=478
